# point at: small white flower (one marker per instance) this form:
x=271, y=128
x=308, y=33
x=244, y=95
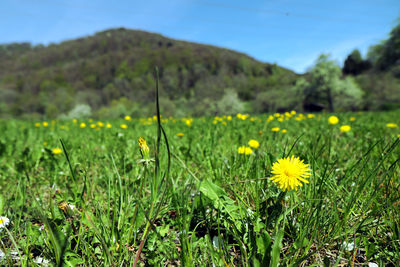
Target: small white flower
x=40, y=260
x=348, y=246
x=4, y=221
x=372, y=264
x=71, y=206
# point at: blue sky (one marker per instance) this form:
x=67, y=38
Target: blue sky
x=291, y=33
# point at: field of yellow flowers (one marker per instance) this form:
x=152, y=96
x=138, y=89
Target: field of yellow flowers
x=286, y=189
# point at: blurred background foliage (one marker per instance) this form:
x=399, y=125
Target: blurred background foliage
x=110, y=74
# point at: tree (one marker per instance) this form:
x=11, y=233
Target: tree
x=354, y=63
x=326, y=88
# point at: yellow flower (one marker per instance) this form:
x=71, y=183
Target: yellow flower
x=245, y=150
x=100, y=124
x=124, y=126
x=352, y=118
x=345, y=128
x=254, y=143
x=82, y=125
x=293, y=112
x=260, y=132
x=398, y=136
x=310, y=116
x=288, y=173
x=74, y=121
x=92, y=125
x=128, y=118
x=284, y=131
x=275, y=129
x=188, y=122
x=45, y=124
x=391, y=125
x=180, y=134
x=144, y=149
x=108, y=125
x=37, y=124
x=333, y=120
x=56, y=151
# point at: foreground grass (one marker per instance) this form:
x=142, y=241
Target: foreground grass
x=93, y=201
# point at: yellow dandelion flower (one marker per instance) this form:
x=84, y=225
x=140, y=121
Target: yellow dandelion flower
x=100, y=124
x=284, y=131
x=124, y=126
x=180, y=134
x=293, y=112
x=275, y=129
x=289, y=172
x=254, y=143
x=245, y=150
x=108, y=125
x=92, y=125
x=391, y=125
x=352, y=118
x=74, y=121
x=310, y=116
x=56, y=151
x=37, y=124
x=128, y=118
x=144, y=149
x=45, y=124
x=333, y=120
x=345, y=128
x=229, y=118
x=82, y=125
x=260, y=132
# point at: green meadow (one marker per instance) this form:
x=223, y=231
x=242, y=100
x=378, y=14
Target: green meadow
x=83, y=193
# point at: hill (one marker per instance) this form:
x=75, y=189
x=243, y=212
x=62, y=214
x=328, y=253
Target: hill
x=111, y=73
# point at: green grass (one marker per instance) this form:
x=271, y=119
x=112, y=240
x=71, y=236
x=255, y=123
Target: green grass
x=212, y=206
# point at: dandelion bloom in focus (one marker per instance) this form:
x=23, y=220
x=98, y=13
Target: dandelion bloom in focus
x=56, y=151
x=254, y=143
x=144, y=149
x=124, y=126
x=245, y=150
x=82, y=125
x=128, y=118
x=345, y=128
x=333, y=120
x=391, y=125
x=275, y=129
x=4, y=221
x=289, y=172
x=180, y=134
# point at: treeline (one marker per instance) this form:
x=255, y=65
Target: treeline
x=111, y=74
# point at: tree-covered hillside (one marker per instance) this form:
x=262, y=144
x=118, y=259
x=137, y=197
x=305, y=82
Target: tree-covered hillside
x=112, y=72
